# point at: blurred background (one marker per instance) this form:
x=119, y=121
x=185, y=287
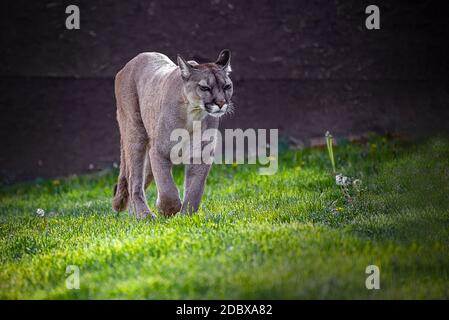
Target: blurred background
x=301, y=66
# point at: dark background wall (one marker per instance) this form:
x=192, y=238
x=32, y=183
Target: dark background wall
x=301, y=66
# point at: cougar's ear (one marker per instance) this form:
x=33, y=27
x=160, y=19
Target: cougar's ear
x=224, y=60
x=185, y=67
x=193, y=63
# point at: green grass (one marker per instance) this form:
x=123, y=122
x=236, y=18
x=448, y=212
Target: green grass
x=290, y=235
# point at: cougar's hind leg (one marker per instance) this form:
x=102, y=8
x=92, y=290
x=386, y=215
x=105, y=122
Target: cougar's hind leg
x=120, y=200
x=136, y=147
x=134, y=142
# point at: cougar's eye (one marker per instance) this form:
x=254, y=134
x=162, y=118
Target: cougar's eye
x=204, y=88
x=227, y=87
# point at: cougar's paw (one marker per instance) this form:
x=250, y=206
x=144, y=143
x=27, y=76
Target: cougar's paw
x=120, y=199
x=148, y=215
x=140, y=211
x=142, y=214
x=168, y=206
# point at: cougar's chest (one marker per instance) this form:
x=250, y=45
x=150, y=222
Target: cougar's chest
x=193, y=116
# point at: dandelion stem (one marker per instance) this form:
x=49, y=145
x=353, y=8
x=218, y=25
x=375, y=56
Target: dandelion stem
x=330, y=151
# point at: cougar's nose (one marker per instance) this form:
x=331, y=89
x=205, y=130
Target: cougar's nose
x=220, y=103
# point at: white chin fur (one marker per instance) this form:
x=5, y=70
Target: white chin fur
x=216, y=114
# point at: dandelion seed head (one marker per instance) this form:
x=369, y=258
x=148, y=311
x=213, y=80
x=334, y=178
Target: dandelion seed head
x=40, y=212
x=342, y=180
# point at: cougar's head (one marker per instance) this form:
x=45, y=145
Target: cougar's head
x=208, y=86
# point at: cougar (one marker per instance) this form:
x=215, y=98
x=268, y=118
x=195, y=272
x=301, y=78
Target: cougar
x=154, y=97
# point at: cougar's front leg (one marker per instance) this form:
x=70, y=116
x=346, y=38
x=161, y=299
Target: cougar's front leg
x=194, y=180
x=168, y=202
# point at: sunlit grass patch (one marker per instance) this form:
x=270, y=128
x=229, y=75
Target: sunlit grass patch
x=290, y=235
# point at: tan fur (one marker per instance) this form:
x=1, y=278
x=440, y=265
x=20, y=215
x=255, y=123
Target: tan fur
x=154, y=96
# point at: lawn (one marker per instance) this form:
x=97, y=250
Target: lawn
x=295, y=234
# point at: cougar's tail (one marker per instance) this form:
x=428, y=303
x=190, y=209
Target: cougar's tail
x=120, y=200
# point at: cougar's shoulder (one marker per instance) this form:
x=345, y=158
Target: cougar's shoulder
x=154, y=60
x=145, y=66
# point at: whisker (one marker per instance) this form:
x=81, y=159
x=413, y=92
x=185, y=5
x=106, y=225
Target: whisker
x=230, y=110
